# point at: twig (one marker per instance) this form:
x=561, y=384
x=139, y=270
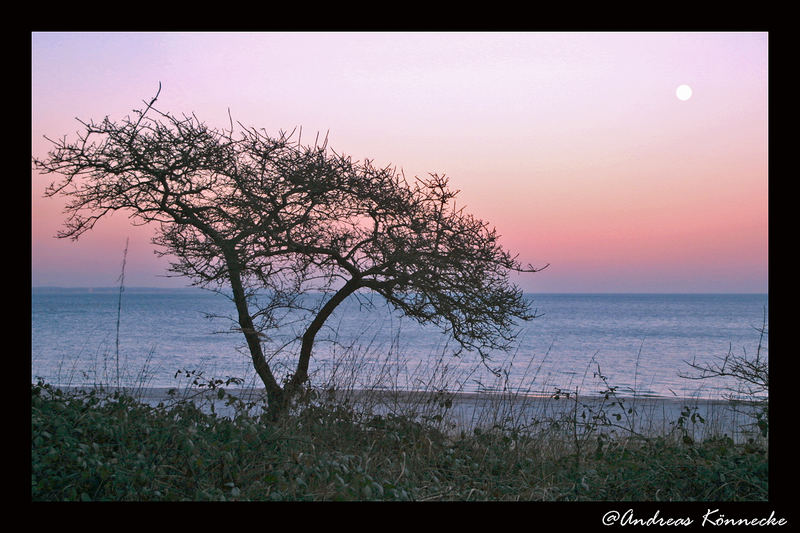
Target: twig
x=119, y=302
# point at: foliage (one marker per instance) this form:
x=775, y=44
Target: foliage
x=96, y=446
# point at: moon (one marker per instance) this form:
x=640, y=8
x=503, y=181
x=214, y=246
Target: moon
x=683, y=92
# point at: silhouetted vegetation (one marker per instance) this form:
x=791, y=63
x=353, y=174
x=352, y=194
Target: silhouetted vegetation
x=750, y=375
x=269, y=219
x=94, y=446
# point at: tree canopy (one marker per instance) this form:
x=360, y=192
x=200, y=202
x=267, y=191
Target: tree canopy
x=237, y=208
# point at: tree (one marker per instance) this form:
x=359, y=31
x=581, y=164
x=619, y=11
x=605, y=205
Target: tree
x=749, y=375
x=269, y=220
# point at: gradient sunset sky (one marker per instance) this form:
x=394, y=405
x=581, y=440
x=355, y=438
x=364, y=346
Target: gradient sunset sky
x=574, y=146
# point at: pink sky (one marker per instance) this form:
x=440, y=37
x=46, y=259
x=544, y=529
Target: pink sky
x=573, y=145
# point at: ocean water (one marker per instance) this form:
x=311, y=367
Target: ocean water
x=638, y=343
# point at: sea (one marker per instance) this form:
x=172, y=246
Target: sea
x=629, y=344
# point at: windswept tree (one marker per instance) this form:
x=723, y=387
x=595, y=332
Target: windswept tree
x=267, y=220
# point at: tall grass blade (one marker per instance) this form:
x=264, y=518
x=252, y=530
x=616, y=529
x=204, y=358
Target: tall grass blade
x=121, y=280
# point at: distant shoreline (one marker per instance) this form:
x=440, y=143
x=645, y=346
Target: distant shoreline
x=99, y=290
x=103, y=290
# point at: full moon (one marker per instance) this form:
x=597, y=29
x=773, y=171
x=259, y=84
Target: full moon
x=684, y=92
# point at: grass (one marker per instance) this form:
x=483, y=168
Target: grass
x=97, y=445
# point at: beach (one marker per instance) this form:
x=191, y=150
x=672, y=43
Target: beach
x=697, y=418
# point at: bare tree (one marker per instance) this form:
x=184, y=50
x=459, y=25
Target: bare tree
x=269, y=220
x=750, y=373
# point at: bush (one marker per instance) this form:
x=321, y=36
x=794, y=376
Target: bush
x=96, y=446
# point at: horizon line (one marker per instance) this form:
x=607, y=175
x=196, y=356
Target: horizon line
x=144, y=287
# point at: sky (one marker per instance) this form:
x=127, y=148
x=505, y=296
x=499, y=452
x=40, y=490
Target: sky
x=574, y=146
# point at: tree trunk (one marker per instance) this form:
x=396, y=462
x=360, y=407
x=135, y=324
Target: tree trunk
x=301, y=373
x=275, y=394
x=279, y=398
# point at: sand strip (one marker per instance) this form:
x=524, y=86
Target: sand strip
x=465, y=411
